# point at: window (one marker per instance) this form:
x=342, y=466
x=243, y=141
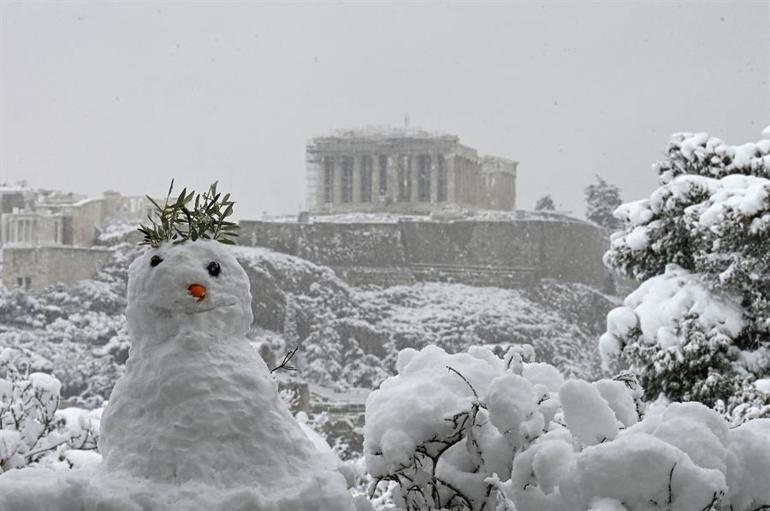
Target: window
x=366, y=179
x=347, y=179
x=383, y=174
x=423, y=178
x=404, y=182
x=27, y=282
x=328, y=180
x=441, y=181
x=19, y=281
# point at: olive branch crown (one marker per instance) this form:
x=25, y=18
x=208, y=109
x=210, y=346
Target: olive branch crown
x=191, y=216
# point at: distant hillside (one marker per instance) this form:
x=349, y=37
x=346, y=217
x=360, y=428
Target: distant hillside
x=352, y=335
x=349, y=336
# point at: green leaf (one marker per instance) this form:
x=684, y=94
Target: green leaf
x=187, y=219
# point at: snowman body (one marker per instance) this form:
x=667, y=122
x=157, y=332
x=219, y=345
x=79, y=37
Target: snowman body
x=196, y=405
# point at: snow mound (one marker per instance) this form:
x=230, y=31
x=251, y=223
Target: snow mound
x=489, y=431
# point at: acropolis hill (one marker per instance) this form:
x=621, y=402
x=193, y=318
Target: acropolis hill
x=397, y=205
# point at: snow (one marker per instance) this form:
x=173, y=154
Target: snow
x=45, y=384
x=701, y=149
x=634, y=213
x=195, y=422
x=637, y=239
x=763, y=384
x=116, y=231
x=693, y=144
x=426, y=375
x=512, y=406
x=543, y=374
x=83, y=459
x=606, y=504
x=747, y=195
x=750, y=465
x=634, y=469
x=662, y=301
x=587, y=414
x=621, y=321
x=610, y=348
x=10, y=440
x=589, y=448
x=457, y=315
x=659, y=306
x=620, y=400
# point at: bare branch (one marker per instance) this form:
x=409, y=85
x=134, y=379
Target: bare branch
x=284, y=365
x=452, y=369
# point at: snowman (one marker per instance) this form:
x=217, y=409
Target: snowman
x=196, y=423
x=197, y=404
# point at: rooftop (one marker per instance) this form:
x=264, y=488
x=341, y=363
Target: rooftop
x=382, y=133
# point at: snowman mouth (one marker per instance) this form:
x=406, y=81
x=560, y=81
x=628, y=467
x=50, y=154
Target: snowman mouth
x=199, y=310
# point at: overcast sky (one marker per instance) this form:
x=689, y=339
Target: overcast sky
x=125, y=96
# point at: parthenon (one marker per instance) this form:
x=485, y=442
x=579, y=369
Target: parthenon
x=404, y=170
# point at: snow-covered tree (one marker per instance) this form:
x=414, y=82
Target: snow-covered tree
x=699, y=325
x=545, y=203
x=473, y=431
x=602, y=199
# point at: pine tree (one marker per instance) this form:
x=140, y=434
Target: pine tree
x=545, y=203
x=701, y=244
x=602, y=199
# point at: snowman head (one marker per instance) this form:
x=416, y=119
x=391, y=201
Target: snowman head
x=195, y=284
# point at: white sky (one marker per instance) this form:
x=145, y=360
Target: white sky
x=126, y=95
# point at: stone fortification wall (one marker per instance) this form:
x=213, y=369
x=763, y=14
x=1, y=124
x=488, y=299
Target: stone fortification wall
x=507, y=253
x=369, y=245
x=35, y=268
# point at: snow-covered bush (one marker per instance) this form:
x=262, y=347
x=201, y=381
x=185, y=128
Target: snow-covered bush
x=473, y=431
x=699, y=326
x=32, y=428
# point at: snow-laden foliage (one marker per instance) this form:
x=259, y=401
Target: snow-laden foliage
x=474, y=431
x=33, y=430
x=602, y=199
x=702, y=243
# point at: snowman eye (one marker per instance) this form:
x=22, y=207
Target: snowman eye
x=155, y=260
x=213, y=268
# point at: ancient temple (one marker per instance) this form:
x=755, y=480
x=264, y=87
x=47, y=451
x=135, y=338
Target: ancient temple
x=404, y=170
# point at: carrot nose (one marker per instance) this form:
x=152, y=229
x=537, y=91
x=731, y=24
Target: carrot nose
x=198, y=291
